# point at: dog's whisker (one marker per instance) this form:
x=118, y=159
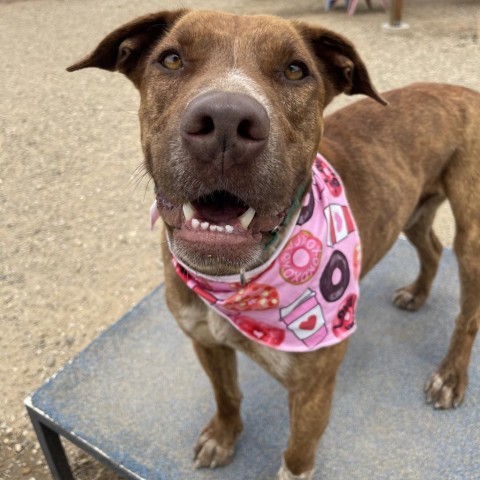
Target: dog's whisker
x=133, y=113
x=138, y=175
x=137, y=182
x=146, y=187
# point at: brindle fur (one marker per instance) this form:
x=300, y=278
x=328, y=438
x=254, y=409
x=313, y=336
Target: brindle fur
x=398, y=164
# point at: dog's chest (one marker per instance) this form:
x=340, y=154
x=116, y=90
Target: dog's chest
x=210, y=329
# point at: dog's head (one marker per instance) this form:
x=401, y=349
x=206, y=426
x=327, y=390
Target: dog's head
x=231, y=119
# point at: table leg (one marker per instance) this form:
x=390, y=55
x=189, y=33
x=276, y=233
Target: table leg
x=52, y=448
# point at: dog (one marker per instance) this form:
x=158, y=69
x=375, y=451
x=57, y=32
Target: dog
x=231, y=119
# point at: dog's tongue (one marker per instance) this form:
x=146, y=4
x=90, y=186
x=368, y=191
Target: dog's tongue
x=225, y=213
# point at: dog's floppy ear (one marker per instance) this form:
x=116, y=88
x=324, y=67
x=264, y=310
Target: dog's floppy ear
x=339, y=61
x=122, y=49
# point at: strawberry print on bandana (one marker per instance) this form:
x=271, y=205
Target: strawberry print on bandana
x=260, y=331
x=305, y=296
x=253, y=297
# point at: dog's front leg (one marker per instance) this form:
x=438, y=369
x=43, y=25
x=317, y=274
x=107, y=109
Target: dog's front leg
x=216, y=443
x=310, y=404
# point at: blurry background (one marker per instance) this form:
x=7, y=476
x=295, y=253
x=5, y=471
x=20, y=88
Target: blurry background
x=75, y=247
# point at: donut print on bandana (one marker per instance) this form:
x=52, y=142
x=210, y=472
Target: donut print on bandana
x=300, y=259
x=307, y=210
x=305, y=296
x=335, y=277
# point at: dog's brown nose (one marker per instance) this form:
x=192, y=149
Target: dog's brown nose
x=227, y=126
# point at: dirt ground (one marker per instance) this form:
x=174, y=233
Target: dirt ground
x=75, y=247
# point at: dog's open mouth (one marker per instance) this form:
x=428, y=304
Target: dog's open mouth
x=214, y=223
x=220, y=212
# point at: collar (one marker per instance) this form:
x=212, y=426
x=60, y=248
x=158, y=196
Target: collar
x=304, y=297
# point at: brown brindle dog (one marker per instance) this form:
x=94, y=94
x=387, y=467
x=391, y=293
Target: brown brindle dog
x=231, y=119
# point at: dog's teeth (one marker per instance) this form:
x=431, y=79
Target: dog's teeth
x=214, y=228
x=247, y=217
x=195, y=223
x=229, y=228
x=204, y=225
x=188, y=211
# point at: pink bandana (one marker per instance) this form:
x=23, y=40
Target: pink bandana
x=304, y=297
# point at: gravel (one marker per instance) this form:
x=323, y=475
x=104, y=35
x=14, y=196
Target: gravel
x=75, y=250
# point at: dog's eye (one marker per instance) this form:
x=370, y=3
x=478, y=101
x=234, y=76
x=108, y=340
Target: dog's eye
x=171, y=61
x=296, y=71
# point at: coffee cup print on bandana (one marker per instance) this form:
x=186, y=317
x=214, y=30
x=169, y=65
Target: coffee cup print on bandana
x=300, y=259
x=339, y=223
x=304, y=317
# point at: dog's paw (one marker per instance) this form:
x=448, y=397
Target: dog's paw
x=407, y=298
x=216, y=444
x=446, y=388
x=209, y=453
x=285, y=474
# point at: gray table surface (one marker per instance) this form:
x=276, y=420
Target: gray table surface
x=138, y=395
